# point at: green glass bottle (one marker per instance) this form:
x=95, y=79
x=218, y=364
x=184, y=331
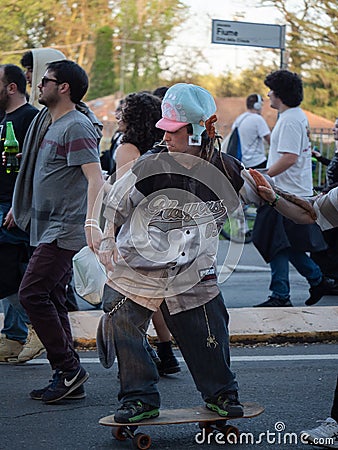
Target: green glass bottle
x=11, y=148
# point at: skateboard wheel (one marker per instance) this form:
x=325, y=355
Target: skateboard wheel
x=119, y=433
x=207, y=427
x=231, y=434
x=141, y=441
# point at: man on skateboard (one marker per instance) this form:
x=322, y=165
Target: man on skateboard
x=169, y=208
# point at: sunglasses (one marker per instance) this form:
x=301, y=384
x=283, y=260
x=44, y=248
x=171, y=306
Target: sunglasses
x=44, y=81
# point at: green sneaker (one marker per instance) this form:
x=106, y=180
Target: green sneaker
x=134, y=411
x=226, y=405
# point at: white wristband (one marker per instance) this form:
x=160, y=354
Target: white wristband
x=92, y=226
x=91, y=221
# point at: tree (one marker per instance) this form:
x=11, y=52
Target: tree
x=141, y=31
x=313, y=46
x=70, y=26
x=23, y=25
x=312, y=40
x=144, y=29
x=102, y=79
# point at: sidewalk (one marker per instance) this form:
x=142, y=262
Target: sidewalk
x=247, y=325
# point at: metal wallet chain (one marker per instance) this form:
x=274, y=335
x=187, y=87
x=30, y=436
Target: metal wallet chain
x=117, y=306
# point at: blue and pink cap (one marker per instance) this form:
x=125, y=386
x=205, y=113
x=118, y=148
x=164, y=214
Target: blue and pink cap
x=186, y=103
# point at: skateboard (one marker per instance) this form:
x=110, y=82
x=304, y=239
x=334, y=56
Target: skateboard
x=207, y=420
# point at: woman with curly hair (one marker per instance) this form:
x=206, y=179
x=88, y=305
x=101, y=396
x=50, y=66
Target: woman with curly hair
x=140, y=112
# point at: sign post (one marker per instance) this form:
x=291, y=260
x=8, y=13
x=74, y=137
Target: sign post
x=249, y=34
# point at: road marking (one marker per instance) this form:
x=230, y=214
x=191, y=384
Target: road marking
x=321, y=357
x=284, y=358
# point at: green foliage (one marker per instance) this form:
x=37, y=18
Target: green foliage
x=102, y=79
x=312, y=42
x=144, y=29
x=122, y=43
x=27, y=26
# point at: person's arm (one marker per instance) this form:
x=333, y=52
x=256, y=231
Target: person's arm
x=126, y=155
x=117, y=210
x=320, y=158
x=93, y=174
x=285, y=162
x=267, y=138
x=287, y=208
x=9, y=220
x=108, y=251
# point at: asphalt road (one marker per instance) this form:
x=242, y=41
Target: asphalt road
x=294, y=383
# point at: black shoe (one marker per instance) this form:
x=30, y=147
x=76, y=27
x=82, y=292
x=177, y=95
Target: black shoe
x=77, y=394
x=152, y=353
x=63, y=384
x=317, y=292
x=274, y=302
x=134, y=411
x=226, y=405
x=168, y=366
x=168, y=363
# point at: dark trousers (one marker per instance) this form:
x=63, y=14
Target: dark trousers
x=208, y=362
x=43, y=295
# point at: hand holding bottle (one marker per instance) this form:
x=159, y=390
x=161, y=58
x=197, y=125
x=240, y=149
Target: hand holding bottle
x=11, y=150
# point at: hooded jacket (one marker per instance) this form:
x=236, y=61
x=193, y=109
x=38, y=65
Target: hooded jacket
x=41, y=57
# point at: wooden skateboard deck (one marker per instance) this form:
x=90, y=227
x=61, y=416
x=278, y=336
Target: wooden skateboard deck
x=207, y=420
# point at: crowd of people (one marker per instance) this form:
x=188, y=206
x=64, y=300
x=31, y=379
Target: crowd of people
x=154, y=225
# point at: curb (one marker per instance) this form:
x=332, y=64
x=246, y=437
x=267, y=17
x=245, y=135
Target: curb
x=247, y=325
x=281, y=325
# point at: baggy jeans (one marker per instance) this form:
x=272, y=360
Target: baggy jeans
x=208, y=362
x=209, y=365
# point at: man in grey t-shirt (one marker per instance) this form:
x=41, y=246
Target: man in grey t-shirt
x=65, y=183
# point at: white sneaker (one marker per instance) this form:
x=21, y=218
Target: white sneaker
x=9, y=349
x=32, y=348
x=325, y=435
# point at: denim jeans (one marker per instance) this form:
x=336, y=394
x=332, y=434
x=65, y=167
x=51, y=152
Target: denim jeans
x=209, y=365
x=13, y=235
x=43, y=295
x=138, y=372
x=15, y=319
x=280, y=285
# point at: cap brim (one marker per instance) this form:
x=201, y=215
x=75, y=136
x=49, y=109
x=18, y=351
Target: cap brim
x=170, y=125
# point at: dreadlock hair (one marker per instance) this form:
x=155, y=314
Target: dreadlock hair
x=208, y=146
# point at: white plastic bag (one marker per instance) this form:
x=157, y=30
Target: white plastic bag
x=89, y=276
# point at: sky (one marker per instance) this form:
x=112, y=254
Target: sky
x=221, y=58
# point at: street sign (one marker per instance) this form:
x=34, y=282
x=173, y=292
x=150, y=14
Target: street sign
x=248, y=34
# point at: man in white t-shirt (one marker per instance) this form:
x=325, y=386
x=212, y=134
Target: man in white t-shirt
x=252, y=130
x=289, y=164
